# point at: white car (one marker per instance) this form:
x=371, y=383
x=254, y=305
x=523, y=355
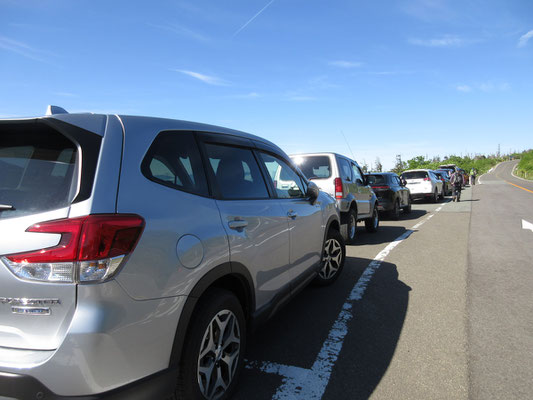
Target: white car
x=423, y=184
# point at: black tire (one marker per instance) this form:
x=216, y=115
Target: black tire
x=224, y=304
x=441, y=196
x=395, y=212
x=372, y=223
x=332, y=264
x=435, y=197
x=349, y=226
x=407, y=208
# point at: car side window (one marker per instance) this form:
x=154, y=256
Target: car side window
x=236, y=172
x=285, y=180
x=174, y=160
x=356, y=173
x=345, y=170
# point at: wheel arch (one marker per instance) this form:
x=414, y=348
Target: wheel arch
x=233, y=277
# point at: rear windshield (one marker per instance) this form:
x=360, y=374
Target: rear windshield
x=376, y=179
x=317, y=167
x=38, y=171
x=415, y=175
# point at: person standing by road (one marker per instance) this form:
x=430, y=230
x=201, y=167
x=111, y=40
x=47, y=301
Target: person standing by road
x=473, y=173
x=457, y=182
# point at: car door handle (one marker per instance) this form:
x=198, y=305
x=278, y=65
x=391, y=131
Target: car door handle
x=238, y=224
x=292, y=214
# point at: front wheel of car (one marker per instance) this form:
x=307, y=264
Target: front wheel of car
x=214, y=353
x=372, y=223
x=333, y=257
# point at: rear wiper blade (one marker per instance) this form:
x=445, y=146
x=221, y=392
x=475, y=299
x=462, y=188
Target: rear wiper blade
x=6, y=207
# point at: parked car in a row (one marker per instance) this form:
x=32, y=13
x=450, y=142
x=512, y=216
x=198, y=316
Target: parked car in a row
x=392, y=193
x=424, y=184
x=137, y=252
x=344, y=180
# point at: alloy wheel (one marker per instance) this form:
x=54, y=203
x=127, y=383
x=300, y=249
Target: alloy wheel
x=332, y=259
x=219, y=355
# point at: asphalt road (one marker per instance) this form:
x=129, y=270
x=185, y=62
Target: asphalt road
x=436, y=305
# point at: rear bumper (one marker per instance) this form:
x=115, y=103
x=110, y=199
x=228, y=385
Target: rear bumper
x=384, y=204
x=24, y=387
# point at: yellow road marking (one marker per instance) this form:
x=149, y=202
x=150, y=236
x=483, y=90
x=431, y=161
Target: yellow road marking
x=527, y=190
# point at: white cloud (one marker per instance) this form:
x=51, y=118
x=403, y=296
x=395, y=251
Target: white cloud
x=20, y=48
x=211, y=80
x=487, y=87
x=464, y=88
x=525, y=38
x=444, y=41
x=345, y=64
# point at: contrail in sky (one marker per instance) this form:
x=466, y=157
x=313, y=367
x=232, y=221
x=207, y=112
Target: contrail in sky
x=254, y=17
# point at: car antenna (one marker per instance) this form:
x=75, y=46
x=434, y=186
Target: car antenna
x=342, y=133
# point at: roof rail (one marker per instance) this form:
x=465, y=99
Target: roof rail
x=52, y=110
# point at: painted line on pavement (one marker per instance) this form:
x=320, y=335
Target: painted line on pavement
x=302, y=383
x=520, y=187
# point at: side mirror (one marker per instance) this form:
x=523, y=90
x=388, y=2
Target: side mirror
x=312, y=191
x=361, y=182
x=404, y=182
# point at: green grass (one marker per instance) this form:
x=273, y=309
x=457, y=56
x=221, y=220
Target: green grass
x=525, y=166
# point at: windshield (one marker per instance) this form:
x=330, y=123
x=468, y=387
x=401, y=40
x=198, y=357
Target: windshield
x=39, y=171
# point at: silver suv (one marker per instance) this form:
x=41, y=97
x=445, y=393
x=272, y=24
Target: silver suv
x=136, y=253
x=343, y=179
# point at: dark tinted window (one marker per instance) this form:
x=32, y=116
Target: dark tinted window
x=345, y=170
x=377, y=179
x=38, y=171
x=415, y=175
x=236, y=172
x=313, y=166
x=286, y=181
x=174, y=160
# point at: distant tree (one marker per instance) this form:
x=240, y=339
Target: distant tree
x=379, y=167
x=364, y=167
x=399, y=166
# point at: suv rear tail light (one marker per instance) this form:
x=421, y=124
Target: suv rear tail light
x=91, y=249
x=339, y=193
x=381, y=187
x=426, y=178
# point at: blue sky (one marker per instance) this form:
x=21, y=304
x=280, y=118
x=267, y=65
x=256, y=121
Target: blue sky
x=418, y=77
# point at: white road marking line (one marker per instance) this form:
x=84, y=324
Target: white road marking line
x=303, y=383
x=527, y=225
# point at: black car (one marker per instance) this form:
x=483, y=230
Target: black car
x=391, y=192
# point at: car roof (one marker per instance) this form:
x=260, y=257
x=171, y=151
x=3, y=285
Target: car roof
x=324, y=153
x=416, y=170
x=96, y=123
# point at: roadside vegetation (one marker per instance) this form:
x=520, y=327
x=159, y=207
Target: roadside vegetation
x=525, y=166
x=481, y=163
